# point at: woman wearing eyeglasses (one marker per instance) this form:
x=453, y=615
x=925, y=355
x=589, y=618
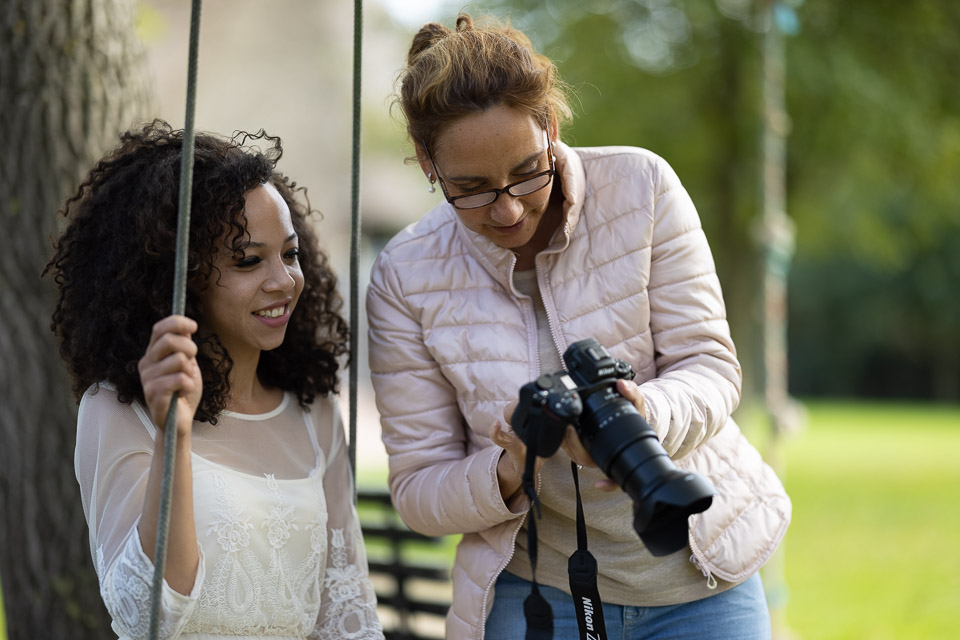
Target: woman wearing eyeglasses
x=537, y=245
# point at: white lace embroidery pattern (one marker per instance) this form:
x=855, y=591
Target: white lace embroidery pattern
x=126, y=594
x=233, y=596
x=348, y=614
x=265, y=565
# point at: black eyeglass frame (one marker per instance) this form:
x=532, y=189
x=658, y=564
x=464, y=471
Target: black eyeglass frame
x=496, y=192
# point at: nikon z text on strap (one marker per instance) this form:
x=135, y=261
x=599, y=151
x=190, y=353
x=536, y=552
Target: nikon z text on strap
x=582, y=569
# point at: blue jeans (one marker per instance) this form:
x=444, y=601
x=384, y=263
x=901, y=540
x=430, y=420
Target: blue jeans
x=739, y=613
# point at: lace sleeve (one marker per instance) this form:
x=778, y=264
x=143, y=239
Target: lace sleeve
x=112, y=462
x=348, y=605
x=126, y=590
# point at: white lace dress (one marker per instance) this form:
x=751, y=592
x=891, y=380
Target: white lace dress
x=281, y=551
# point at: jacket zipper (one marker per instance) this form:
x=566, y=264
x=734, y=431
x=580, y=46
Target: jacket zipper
x=711, y=581
x=547, y=310
x=503, y=565
x=523, y=518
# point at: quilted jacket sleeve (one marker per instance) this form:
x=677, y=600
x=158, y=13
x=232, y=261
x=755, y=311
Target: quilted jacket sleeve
x=698, y=379
x=438, y=487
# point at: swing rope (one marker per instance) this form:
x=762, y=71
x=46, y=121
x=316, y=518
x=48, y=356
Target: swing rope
x=179, y=303
x=180, y=286
x=355, y=237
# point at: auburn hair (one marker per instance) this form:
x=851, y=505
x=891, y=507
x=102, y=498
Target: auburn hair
x=453, y=73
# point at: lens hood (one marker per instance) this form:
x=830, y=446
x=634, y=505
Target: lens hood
x=660, y=519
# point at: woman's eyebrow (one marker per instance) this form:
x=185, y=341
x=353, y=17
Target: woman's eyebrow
x=256, y=245
x=522, y=165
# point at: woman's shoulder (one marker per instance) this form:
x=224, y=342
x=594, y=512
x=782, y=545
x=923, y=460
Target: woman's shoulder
x=428, y=234
x=101, y=405
x=622, y=155
x=618, y=163
x=323, y=416
x=100, y=394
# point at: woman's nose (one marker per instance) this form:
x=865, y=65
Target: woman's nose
x=280, y=278
x=506, y=210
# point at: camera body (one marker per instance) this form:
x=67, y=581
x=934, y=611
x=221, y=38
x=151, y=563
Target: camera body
x=547, y=405
x=618, y=439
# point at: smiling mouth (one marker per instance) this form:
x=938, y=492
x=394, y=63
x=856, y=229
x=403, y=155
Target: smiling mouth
x=276, y=312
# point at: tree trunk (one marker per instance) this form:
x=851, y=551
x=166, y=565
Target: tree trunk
x=73, y=75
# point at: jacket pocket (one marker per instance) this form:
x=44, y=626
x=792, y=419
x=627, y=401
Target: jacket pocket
x=750, y=512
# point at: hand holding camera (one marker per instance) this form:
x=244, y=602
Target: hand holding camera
x=618, y=439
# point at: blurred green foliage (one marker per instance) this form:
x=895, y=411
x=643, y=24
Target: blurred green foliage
x=873, y=159
x=874, y=166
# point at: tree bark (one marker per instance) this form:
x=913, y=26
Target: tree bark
x=73, y=75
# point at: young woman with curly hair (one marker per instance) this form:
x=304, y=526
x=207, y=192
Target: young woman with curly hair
x=263, y=536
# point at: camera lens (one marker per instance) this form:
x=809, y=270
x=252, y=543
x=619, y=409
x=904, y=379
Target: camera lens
x=628, y=450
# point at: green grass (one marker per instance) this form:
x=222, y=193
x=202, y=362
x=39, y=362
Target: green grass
x=872, y=552
x=3, y=622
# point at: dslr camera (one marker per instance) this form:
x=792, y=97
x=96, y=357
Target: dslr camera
x=618, y=439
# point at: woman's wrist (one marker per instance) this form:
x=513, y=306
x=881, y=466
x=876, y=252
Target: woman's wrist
x=508, y=476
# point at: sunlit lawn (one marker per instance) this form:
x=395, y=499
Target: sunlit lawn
x=873, y=552
x=874, y=548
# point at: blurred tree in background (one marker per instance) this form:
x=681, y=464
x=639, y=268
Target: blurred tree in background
x=72, y=75
x=874, y=151
x=874, y=161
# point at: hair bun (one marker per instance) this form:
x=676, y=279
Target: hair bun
x=429, y=35
x=464, y=22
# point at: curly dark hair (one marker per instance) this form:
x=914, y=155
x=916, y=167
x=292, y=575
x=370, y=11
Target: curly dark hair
x=114, y=265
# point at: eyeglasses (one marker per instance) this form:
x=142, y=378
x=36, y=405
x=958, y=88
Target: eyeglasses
x=516, y=189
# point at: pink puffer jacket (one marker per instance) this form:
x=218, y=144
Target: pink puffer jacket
x=451, y=342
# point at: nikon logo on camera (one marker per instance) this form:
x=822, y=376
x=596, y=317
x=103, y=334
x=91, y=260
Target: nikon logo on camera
x=606, y=371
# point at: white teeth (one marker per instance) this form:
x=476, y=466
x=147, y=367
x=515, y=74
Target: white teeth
x=272, y=313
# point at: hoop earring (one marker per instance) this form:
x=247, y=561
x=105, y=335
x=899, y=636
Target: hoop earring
x=433, y=188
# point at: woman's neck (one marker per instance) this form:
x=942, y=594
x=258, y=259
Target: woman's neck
x=551, y=221
x=247, y=393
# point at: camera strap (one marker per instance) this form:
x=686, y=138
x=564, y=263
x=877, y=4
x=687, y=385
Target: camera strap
x=582, y=569
x=536, y=609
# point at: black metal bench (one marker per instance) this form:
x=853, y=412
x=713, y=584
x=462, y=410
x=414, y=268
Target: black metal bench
x=409, y=571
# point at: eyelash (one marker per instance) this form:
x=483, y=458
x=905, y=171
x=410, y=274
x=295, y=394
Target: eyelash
x=292, y=254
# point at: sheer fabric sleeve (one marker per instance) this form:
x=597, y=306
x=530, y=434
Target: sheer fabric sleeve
x=112, y=462
x=348, y=604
